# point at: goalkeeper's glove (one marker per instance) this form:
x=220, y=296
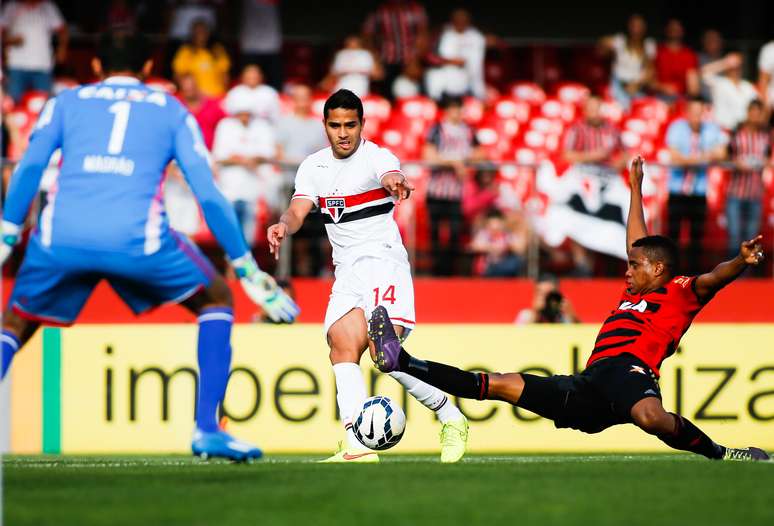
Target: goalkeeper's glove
x=261, y=288
x=10, y=238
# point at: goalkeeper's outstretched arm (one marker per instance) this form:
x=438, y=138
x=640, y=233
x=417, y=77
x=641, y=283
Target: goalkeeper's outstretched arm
x=635, y=224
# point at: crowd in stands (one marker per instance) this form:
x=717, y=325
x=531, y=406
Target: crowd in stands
x=470, y=140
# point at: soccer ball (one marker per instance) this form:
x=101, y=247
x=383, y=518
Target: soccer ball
x=380, y=423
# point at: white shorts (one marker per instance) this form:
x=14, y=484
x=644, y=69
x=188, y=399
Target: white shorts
x=369, y=282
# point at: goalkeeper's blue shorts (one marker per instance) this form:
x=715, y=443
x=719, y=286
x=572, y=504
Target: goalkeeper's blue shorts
x=54, y=283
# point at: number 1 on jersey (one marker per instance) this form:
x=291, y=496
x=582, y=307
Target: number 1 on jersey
x=389, y=295
x=120, y=121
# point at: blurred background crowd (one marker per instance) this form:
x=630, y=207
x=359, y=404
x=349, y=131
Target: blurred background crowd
x=514, y=124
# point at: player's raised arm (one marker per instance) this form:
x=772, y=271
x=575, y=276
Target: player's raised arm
x=635, y=224
x=45, y=139
x=193, y=158
x=750, y=254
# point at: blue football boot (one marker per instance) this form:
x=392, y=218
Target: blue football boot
x=221, y=444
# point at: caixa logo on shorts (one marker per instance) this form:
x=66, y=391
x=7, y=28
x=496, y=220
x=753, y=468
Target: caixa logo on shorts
x=335, y=207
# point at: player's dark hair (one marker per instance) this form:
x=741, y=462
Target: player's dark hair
x=346, y=100
x=123, y=53
x=696, y=98
x=659, y=248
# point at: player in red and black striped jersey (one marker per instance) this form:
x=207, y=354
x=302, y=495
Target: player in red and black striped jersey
x=620, y=382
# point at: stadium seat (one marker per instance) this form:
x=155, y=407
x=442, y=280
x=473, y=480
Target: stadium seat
x=162, y=84
x=528, y=92
x=472, y=111
x=508, y=108
x=572, y=93
x=406, y=146
x=376, y=107
x=612, y=111
x=650, y=108
x=556, y=109
x=495, y=144
x=33, y=101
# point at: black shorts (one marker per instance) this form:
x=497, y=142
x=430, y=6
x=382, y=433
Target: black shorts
x=593, y=400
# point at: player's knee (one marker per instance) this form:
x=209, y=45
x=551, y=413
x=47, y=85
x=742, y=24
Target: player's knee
x=345, y=354
x=220, y=293
x=505, y=386
x=653, y=419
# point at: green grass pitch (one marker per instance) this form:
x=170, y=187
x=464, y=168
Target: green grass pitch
x=652, y=490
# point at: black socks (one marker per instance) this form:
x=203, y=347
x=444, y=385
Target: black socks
x=688, y=437
x=454, y=381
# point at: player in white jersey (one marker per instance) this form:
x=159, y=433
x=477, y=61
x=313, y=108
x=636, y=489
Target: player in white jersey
x=356, y=184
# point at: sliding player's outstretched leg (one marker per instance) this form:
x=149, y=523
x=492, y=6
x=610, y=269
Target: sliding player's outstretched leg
x=678, y=432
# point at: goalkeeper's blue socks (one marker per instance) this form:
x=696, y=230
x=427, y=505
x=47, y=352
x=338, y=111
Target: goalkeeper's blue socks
x=214, y=364
x=10, y=344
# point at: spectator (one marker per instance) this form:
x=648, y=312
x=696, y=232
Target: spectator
x=593, y=141
x=205, y=59
x=712, y=46
x=354, y=66
x=750, y=148
x=766, y=75
x=479, y=194
x=398, y=30
x=207, y=110
x=409, y=82
x=260, y=38
x=299, y=134
x=548, y=305
x=693, y=143
x=450, y=145
x=263, y=99
x=731, y=94
x=633, y=55
x=459, y=60
x=676, y=65
x=243, y=144
x=502, y=245
x=27, y=27
x=185, y=13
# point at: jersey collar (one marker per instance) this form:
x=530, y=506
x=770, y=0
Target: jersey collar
x=121, y=79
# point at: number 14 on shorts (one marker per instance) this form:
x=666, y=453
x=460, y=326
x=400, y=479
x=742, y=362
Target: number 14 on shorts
x=389, y=295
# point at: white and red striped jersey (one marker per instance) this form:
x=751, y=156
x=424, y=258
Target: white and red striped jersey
x=356, y=208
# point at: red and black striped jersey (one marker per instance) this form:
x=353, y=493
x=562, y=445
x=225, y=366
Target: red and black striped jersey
x=649, y=326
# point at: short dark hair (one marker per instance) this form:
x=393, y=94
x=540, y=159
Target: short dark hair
x=117, y=53
x=696, y=98
x=755, y=103
x=344, y=99
x=659, y=248
x=447, y=101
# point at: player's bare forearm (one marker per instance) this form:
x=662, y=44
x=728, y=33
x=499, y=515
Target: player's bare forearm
x=636, y=227
x=294, y=216
x=750, y=254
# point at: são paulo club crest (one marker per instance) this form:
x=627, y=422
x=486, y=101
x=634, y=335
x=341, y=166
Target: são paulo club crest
x=335, y=207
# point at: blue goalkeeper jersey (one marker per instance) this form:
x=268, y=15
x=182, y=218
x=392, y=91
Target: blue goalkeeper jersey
x=117, y=138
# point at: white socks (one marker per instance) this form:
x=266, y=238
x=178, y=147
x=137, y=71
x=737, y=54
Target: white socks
x=350, y=394
x=431, y=397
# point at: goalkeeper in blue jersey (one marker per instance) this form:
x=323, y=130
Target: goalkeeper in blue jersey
x=105, y=219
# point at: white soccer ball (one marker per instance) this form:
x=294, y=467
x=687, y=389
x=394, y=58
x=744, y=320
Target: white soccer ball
x=380, y=423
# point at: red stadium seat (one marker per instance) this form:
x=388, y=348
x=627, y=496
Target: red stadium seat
x=547, y=126
x=161, y=83
x=472, y=111
x=406, y=146
x=508, y=108
x=318, y=103
x=556, y=109
x=33, y=101
x=528, y=92
x=376, y=107
x=650, y=108
x=572, y=93
x=419, y=107
x=495, y=144
x=612, y=111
